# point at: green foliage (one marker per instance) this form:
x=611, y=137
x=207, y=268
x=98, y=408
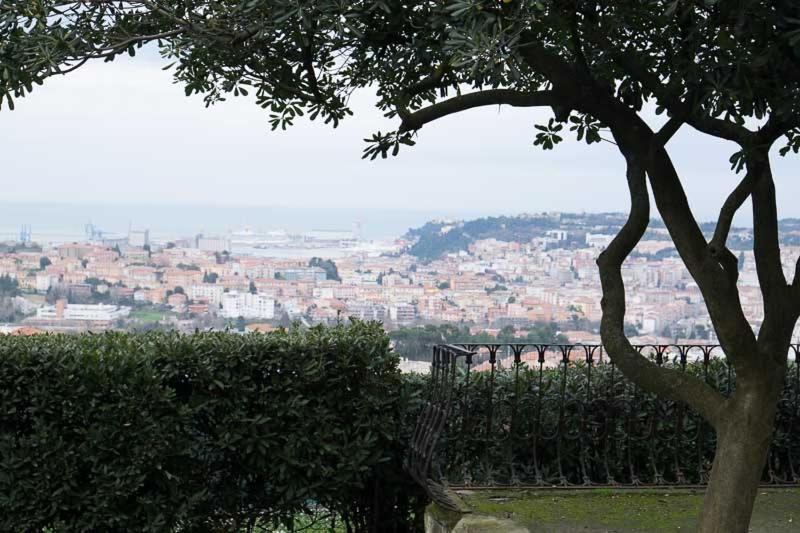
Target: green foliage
x=8, y=286
x=94, y=282
x=417, y=342
x=574, y=423
x=548, y=136
x=209, y=432
x=431, y=241
x=8, y=291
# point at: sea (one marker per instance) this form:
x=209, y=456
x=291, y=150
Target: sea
x=67, y=222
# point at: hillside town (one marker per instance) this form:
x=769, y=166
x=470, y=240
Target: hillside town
x=488, y=285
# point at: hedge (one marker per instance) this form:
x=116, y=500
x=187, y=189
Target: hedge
x=577, y=425
x=225, y=432
x=206, y=432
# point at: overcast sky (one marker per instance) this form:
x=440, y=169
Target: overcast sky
x=124, y=133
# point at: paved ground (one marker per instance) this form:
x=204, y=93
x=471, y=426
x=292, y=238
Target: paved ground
x=625, y=511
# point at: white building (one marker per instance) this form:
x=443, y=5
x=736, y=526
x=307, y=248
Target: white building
x=139, y=238
x=247, y=305
x=43, y=282
x=598, y=240
x=338, y=237
x=313, y=274
x=557, y=234
x=210, y=292
x=213, y=244
x=403, y=313
x=98, y=312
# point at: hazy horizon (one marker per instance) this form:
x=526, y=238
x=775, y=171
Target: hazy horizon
x=123, y=133
x=184, y=219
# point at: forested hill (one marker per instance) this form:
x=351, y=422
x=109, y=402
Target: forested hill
x=440, y=237
x=437, y=238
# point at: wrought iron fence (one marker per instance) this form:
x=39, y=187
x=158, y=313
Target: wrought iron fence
x=563, y=415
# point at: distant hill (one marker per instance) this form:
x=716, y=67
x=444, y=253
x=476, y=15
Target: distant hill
x=437, y=238
x=440, y=237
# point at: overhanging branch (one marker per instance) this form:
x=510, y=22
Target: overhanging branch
x=414, y=121
x=425, y=84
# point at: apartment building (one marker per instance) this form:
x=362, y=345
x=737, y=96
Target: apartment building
x=247, y=305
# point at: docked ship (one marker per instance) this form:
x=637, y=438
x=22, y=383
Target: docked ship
x=269, y=239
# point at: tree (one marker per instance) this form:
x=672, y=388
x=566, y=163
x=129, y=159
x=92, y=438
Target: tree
x=44, y=262
x=331, y=272
x=8, y=286
x=726, y=69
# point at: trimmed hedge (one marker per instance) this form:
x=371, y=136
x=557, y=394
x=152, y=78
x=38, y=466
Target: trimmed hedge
x=207, y=432
x=224, y=432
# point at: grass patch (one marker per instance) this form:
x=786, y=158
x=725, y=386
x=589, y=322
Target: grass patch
x=147, y=315
x=656, y=510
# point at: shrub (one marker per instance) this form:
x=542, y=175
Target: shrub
x=214, y=431
x=580, y=425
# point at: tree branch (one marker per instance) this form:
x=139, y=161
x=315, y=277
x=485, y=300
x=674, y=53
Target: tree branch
x=766, y=245
x=426, y=84
x=719, y=292
x=118, y=48
x=775, y=127
x=651, y=82
x=717, y=247
x=122, y=45
x=588, y=95
x=663, y=136
x=414, y=121
x=665, y=382
x=732, y=204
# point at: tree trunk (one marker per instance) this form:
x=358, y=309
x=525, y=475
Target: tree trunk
x=743, y=440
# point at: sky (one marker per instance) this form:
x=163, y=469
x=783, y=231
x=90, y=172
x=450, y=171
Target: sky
x=123, y=133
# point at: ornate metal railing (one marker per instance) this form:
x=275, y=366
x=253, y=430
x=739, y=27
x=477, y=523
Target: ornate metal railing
x=563, y=415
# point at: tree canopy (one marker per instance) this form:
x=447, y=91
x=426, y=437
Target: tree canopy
x=716, y=64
